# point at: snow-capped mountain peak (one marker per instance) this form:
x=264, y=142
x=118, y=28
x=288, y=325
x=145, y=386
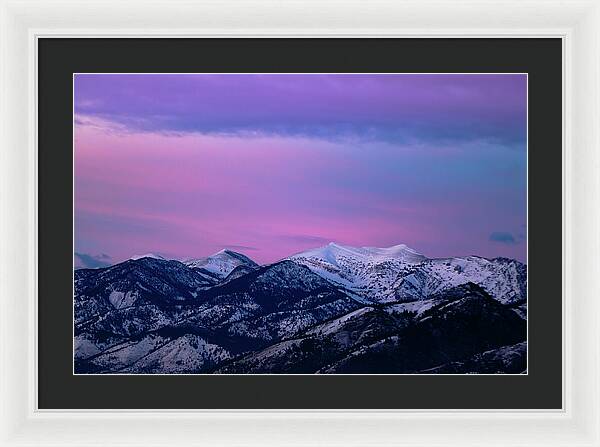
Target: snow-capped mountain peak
x=334, y=248
x=221, y=263
x=364, y=270
x=334, y=253
x=147, y=255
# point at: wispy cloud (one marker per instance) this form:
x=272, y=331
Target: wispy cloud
x=241, y=247
x=87, y=261
x=304, y=239
x=503, y=237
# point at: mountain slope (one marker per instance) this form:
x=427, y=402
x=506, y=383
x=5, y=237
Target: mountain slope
x=245, y=313
x=466, y=321
x=127, y=299
x=463, y=322
x=135, y=282
x=321, y=344
x=510, y=359
x=272, y=302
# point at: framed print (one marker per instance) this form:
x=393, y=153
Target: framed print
x=327, y=237
x=261, y=241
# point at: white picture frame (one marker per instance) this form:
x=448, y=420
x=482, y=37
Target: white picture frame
x=576, y=22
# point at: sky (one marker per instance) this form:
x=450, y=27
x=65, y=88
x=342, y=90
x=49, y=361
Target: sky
x=271, y=165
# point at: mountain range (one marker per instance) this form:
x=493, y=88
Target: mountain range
x=331, y=310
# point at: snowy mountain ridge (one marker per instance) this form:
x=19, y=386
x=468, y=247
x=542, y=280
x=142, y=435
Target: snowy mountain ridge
x=400, y=273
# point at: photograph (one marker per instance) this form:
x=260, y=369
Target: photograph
x=300, y=223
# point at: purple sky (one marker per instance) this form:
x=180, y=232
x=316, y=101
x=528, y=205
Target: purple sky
x=270, y=165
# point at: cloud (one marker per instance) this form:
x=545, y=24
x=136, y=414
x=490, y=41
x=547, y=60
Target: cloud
x=503, y=237
x=391, y=108
x=305, y=239
x=241, y=247
x=86, y=261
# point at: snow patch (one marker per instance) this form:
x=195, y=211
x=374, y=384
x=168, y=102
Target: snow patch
x=121, y=300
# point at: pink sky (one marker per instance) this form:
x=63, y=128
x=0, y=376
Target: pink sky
x=269, y=193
